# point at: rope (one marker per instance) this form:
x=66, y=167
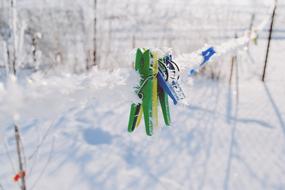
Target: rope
x=200, y=61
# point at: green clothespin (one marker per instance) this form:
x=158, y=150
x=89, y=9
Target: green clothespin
x=146, y=64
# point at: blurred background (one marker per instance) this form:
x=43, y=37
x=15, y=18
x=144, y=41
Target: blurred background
x=75, y=35
x=228, y=134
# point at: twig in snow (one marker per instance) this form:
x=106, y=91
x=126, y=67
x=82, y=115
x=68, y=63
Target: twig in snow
x=269, y=41
x=21, y=168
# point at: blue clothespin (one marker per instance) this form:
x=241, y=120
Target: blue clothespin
x=167, y=88
x=207, y=54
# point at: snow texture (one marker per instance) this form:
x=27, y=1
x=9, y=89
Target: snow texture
x=73, y=126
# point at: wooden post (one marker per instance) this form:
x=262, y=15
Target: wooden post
x=250, y=28
x=15, y=39
x=235, y=63
x=231, y=70
x=251, y=22
x=234, y=60
x=269, y=41
x=237, y=82
x=95, y=34
x=21, y=167
x=34, y=50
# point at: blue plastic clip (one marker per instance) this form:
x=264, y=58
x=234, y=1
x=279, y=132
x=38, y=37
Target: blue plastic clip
x=167, y=88
x=207, y=54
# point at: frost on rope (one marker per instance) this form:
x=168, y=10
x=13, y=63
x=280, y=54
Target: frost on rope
x=48, y=97
x=193, y=60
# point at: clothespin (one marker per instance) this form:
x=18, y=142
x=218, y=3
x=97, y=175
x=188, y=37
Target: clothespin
x=207, y=54
x=156, y=84
x=145, y=68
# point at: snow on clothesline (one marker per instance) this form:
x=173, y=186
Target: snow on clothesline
x=200, y=58
x=47, y=97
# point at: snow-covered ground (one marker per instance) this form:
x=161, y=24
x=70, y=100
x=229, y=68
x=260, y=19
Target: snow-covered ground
x=213, y=142
x=74, y=129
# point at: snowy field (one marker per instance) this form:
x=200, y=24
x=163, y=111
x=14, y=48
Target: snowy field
x=74, y=125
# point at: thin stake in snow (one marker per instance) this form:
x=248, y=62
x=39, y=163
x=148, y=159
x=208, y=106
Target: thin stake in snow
x=6, y=56
x=34, y=49
x=251, y=27
x=95, y=34
x=231, y=70
x=237, y=83
x=21, y=173
x=234, y=62
x=269, y=40
x=15, y=40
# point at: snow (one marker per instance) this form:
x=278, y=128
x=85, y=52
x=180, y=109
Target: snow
x=80, y=139
x=60, y=93
x=74, y=125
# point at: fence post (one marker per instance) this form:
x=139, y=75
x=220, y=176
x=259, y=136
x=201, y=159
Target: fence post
x=234, y=62
x=95, y=34
x=21, y=168
x=269, y=41
x=15, y=37
x=250, y=27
